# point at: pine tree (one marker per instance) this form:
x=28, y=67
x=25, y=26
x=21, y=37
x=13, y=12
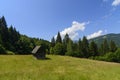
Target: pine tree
x=101, y=50
x=85, y=47
x=76, y=49
x=113, y=46
x=59, y=49
x=80, y=48
x=2, y=50
x=51, y=50
x=14, y=38
x=58, y=39
x=53, y=42
x=93, y=49
x=69, y=48
x=4, y=32
x=23, y=45
x=105, y=46
x=0, y=39
x=3, y=21
x=66, y=39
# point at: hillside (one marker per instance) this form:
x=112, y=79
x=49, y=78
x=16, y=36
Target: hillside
x=13, y=42
x=114, y=37
x=26, y=67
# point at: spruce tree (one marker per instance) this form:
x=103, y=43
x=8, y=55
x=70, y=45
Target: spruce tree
x=51, y=50
x=2, y=50
x=101, y=49
x=69, y=48
x=93, y=49
x=65, y=41
x=113, y=46
x=59, y=49
x=4, y=23
x=76, y=49
x=0, y=39
x=58, y=39
x=14, y=38
x=4, y=32
x=105, y=46
x=85, y=47
x=53, y=42
x=80, y=48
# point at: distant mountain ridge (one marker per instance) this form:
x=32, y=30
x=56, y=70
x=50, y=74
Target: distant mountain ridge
x=109, y=37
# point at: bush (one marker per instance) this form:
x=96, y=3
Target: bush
x=117, y=54
x=59, y=49
x=111, y=57
x=2, y=50
x=10, y=53
x=51, y=50
x=101, y=58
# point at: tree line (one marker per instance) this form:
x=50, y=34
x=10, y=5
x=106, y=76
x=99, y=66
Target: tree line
x=12, y=42
x=84, y=49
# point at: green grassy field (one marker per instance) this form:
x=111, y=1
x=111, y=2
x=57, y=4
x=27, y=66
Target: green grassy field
x=26, y=67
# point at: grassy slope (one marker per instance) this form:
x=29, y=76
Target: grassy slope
x=56, y=68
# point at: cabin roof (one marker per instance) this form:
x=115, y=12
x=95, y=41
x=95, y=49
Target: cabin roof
x=36, y=49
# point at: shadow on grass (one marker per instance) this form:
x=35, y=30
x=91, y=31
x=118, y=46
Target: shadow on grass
x=47, y=58
x=43, y=58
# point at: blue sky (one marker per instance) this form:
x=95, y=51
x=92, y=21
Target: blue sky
x=44, y=18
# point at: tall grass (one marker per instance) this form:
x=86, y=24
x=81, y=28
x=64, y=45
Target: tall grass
x=26, y=67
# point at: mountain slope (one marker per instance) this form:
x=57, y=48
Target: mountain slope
x=114, y=37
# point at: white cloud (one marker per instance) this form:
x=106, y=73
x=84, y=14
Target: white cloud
x=116, y=3
x=107, y=16
x=96, y=34
x=73, y=30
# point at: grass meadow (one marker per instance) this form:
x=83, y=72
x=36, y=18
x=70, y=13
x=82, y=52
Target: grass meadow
x=26, y=67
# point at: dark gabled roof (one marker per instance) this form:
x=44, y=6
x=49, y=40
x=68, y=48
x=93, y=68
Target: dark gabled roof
x=35, y=49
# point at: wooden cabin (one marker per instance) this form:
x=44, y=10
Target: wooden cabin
x=39, y=52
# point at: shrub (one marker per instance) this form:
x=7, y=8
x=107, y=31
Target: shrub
x=117, y=54
x=59, y=49
x=101, y=58
x=51, y=50
x=2, y=50
x=111, y=57
x=10, y=53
